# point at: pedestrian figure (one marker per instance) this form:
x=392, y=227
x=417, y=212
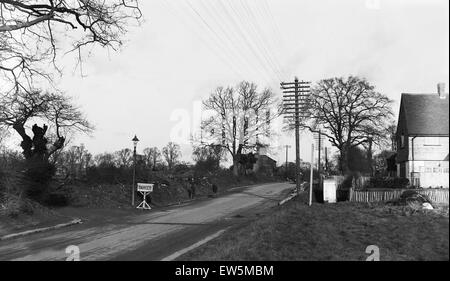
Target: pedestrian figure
x=188, y=188
x=193, y=188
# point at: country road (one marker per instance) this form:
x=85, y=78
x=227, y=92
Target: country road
x=156, y=235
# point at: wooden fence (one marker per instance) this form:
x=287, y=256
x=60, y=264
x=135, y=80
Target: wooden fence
x=435, y=195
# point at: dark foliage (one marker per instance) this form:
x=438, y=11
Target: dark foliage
x=389, y=183
x=38, y=178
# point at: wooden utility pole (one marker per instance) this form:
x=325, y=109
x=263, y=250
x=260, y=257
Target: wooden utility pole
x=311, y=174
x=295, y=101
x=318, y=156
x=286, y=169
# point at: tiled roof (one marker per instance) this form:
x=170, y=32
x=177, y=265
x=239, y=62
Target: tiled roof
x=426, y=114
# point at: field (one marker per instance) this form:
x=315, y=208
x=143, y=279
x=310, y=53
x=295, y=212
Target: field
x=339, y=231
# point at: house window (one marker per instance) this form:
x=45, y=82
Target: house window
x=428, y=170
x=445, y=170
x=436, y=170
x=431, y=141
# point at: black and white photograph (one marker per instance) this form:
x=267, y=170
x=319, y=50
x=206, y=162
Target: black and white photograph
x=223, y=138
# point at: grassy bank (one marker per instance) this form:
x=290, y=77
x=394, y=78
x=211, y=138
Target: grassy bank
x=334, y=232
x=83, y=194
x=19, y=213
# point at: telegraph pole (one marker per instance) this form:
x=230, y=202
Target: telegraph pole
x=286, y=170
x=311, y=175
x=295, y=107
x=318, y=156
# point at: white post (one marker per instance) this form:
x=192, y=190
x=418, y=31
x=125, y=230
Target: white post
x=311, y=175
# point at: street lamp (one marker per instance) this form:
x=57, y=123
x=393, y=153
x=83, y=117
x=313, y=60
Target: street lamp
x=135, y=142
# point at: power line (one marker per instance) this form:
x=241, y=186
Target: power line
x=229, y=38
x=257, y=53
x=219, y=52
x=240, y=30
x=276, y=29
x=276, y=33
x=254, y=29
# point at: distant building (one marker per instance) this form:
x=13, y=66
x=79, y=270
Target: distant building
x=264, y=164
x=423, y=139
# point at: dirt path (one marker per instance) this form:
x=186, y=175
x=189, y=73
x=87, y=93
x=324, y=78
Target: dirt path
x=151, y=236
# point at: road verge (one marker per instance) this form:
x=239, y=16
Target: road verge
x=42, y=229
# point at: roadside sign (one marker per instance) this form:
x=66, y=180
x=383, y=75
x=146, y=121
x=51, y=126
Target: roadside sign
x=147, y=187
x=144, y=189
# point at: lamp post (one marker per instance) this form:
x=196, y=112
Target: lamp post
x=135, y=142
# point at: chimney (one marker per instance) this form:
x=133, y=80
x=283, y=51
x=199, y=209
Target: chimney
x=441, y=90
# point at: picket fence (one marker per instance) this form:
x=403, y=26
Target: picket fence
x=440, y=196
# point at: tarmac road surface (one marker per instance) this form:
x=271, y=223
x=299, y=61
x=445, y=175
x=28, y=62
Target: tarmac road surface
x=152, y=235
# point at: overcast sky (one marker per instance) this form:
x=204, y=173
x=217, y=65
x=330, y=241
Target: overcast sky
x=180, y=53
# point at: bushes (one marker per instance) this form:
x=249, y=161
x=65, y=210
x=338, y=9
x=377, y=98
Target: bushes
x=109, y=174
x=12, y=206
x=389, y=183
x=38, y=176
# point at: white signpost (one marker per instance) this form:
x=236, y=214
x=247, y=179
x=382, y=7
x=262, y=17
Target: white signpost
x=144, y=189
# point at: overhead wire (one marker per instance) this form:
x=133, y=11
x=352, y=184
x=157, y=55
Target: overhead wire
x=249, y=35
x=277, y=32
x=226, y=43
x=217, y=49
x=229, y=36
x=253, y=19
x=270, y=37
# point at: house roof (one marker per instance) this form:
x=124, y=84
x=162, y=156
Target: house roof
x=426, y=114
x=265, y=157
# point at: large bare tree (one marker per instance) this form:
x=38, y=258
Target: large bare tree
x=239, y=120
x=349, y=112
x=57, y=110
x=152, y=156
x=172, y=154
x=33, y=33
x=124, y=157
x=59, y=116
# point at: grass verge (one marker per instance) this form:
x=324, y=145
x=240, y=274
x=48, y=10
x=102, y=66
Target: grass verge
x=339, y=231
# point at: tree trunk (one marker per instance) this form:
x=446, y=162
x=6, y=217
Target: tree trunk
x=343, y=161
x=236, y=166
x=39, y=171
x=369, y=157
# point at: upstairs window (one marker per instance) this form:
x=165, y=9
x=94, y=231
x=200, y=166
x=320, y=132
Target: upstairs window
x=432, y=141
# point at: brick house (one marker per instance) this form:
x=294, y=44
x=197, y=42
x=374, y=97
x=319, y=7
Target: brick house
x=422, y=139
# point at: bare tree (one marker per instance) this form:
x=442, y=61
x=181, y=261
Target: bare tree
x=57, y=110
x=172, y=154
x=75, y=160
x=59, y=116
x=240, y=119
x=124, y=157
x=208, y=157
x=104, y=160
x=29, y=33
x=349, y=113
x=152, y=156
